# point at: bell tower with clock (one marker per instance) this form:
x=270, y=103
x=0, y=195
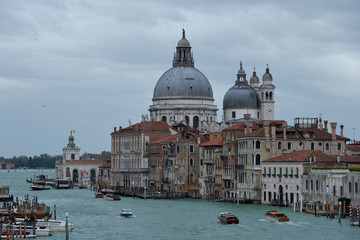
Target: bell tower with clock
x=267, y=90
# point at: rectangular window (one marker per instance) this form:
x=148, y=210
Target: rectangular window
x=264, y=196
x=177, y=149
x=191, y=150
x=233, y=114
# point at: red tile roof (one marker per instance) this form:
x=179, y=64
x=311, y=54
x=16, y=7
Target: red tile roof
x=305, y=155
x=153, y=126
x=167, y=139
x=214, y=142
x=302, y=156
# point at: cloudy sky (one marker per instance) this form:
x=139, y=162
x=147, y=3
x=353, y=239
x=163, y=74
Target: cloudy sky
x=92, y=65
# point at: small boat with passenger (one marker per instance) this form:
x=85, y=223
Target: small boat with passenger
x=228, y=218
x=275, y=216
x=112, y=197
x=99, y=195
x=125, y=212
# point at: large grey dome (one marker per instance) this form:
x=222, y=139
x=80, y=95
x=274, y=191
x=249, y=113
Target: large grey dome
x=241, y=96
x=183, y=82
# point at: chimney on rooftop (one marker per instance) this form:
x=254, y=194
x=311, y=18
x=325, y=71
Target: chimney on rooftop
x=325, y=125
x=320, y=124
x=333, y=130
x=284, y=129
x=266, y=126
x=273, y=131
x=250, y=125
x=342, y=130
x=114, y=129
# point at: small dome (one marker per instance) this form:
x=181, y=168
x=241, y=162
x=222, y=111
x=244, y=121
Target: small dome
x=267, y=75
x=183, y=82
x=71, y=138
x=254, y=78
x=241, y=96
x=183, y=43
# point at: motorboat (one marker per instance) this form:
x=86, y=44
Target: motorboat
x=39, y=231
x=228, y=218
x=62, y=184
x=126, y=212
x=54, y=225
x=99, y=195
x=275, y=216
x=112, y=197
x=40, y=185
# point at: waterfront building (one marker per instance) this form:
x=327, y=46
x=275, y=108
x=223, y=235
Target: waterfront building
x=71, y=167
x=210, y=178
x=353, y=148
x=129, y=154
x=161, y=166
x=297, y=176
x=242, y=98
x=329, y=182
x=183, y=94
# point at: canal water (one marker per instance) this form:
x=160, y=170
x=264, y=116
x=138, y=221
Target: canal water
x=170, y=219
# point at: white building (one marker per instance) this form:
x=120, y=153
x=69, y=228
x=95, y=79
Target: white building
x=74, y=169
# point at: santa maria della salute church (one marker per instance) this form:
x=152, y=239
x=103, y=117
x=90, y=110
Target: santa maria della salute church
x=183, y=94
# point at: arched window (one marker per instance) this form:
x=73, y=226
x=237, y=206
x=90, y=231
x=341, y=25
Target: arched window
x=191, y=177
x=312, y=146
x=266, y=96
x=195, y=122
x=356, y=187
x=191, y=162
x=187, y=120
x=75, y=176
x=349, y=187
x=258, y=159
x=270, y=96
x=257, y=144
x=327, y=147
x=92, y=175
x=307, y=185
x=279, y=145
x=339, y=146
x=163, y=118
x=72, y=156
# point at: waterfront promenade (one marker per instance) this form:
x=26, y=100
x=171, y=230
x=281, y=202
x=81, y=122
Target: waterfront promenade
x=171, y=219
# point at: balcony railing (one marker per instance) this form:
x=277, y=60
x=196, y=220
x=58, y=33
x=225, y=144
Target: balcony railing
x=209, y=178
x=209, y=161
x=227, y=177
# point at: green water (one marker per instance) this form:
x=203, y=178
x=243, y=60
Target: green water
x=171, y=219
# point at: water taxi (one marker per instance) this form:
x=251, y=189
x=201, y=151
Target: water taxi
x=62, y=183
x=40, y=186
x=228, y=218
x=4, y=195
x=126, y=212
x=99, y=195
x=275, y=216
x=112, y=197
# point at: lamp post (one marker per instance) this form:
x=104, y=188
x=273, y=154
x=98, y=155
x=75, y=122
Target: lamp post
x=339, y=206
x=67, y=225
x=132, y=188
x=145, y=193
x=237, y=197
